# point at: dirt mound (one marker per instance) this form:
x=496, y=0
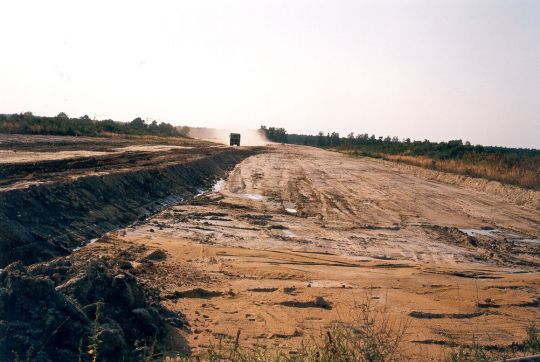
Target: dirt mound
x=32, y=314
x=75, y=307
x=48, y=220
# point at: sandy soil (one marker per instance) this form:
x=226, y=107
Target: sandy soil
x=27, y=160
x=299, y=223
x=7, y=156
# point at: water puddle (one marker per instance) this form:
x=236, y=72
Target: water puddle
x=90, y=242
x=200, y=193
x=254, y=197
x=473, y=232
x=329, y=284
x=499, y=234
x=218, y=186
x=290, y=207
x=531, y=241
x=288, y=234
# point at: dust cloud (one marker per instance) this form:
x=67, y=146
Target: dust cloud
x=249, y=137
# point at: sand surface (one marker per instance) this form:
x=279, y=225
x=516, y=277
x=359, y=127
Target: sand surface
x=8, y=156
x=299, y=223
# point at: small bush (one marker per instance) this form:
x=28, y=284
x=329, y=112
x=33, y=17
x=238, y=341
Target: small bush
x=532, y=343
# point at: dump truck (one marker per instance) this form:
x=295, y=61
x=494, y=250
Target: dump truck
x=234, y=139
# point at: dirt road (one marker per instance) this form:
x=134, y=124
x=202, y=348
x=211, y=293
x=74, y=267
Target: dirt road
x=299, y=223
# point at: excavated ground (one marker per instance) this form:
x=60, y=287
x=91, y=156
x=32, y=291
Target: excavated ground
x=298, y=224
x=57, y=194
x=290, y=241
x=60, y=301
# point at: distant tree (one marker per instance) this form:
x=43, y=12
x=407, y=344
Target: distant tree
x=334, y=139
x=167, y=129
x=362, y=138
x=321, y=139
x=153, y=127
x=454, y=143
x=274, y=134
x=61, y=124
x=138, y=123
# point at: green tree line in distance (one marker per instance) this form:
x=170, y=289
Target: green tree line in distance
x=28, y=123
x=516, y=166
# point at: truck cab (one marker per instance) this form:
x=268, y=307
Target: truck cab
x=234, y=139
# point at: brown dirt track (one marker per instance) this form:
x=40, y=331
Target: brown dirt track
x=298, y=223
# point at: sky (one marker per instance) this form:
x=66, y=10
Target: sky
x=433, y=69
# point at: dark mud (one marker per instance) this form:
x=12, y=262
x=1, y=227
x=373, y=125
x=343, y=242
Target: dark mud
x=426, y=315
x=318, y=302
x=194, y=293
x=82, y=307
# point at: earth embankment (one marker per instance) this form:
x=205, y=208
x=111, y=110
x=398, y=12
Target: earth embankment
x=47, y=217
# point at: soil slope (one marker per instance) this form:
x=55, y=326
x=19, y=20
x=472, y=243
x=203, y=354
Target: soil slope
x=51, y=206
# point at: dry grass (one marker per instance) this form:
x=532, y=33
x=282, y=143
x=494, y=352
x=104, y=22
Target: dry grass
x=372, y=336
x=488, y=169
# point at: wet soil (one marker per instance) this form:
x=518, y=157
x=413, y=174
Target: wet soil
x=361, y=231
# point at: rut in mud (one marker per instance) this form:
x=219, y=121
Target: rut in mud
x=51, y=219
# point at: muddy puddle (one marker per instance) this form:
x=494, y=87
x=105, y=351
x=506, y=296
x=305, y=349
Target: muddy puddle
x=254, y=197
x=506, y=235
x=218, y=186
x=485, y=232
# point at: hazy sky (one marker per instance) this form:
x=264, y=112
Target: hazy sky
x=422, y=69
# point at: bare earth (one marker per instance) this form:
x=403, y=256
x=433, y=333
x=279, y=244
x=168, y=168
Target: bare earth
x=27, y=160
x=299, y=223
x=17, y=157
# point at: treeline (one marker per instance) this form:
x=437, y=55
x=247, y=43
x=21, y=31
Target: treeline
x=517, y=166
x=27, y=123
